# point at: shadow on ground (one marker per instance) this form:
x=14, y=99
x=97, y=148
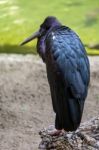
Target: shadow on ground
x=7, y=48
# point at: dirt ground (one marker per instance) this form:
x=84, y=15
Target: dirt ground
x=25, y=103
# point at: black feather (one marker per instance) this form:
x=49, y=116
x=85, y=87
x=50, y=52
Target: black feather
x=68, y=74
x=68, y=71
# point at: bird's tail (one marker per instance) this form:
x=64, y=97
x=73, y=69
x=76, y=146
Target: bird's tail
x=74, y=112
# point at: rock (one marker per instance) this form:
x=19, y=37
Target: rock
x=84, y=138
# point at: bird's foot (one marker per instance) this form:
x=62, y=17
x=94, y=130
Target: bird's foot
x=54, y=132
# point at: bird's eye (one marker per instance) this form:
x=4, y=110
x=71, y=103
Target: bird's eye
x=47, y=27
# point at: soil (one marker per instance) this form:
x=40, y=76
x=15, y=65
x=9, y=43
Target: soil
x=25, y=102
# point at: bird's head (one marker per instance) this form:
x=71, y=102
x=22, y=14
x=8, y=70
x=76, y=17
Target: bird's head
x=48, y=24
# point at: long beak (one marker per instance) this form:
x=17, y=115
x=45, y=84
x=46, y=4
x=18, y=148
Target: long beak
x=32, y=37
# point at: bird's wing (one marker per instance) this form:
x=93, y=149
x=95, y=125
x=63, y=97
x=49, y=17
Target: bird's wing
x=69, y=56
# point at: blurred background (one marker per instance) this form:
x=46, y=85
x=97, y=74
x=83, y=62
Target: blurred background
x=20, y=18
x=25, y=100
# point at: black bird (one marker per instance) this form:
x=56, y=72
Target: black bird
x=68, y=71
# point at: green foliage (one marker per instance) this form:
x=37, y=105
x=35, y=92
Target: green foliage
x=20, y=18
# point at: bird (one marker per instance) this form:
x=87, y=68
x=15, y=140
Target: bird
x=68, y=71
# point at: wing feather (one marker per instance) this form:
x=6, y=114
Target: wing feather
x=68, y=53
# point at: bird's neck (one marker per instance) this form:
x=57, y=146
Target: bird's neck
x=41, y=47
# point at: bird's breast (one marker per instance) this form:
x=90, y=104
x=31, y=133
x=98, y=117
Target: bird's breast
x=41, y=48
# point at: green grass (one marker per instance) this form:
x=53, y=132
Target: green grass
x=20, y=18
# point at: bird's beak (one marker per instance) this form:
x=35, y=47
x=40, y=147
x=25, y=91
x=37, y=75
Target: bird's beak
x=32, y=37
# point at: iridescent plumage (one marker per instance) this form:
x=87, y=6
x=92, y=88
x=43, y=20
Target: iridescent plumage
x=68, y=71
